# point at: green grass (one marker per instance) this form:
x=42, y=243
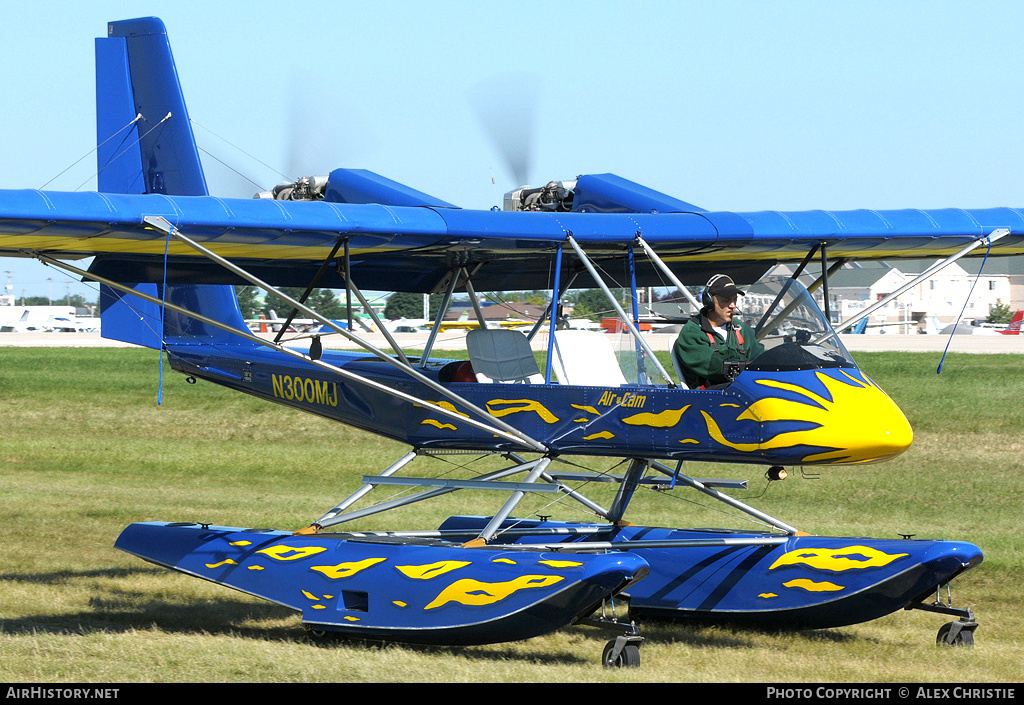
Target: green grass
x=86, y=450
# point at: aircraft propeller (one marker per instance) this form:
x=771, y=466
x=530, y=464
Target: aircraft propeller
x=506, y=107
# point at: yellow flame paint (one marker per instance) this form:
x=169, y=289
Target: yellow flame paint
x=439, y=424
x=281, y=552
x=859, y=424
x=561, y=564
x=226, y=561
x=346, y=570
x=837, y=559
x=449, y=406
x=431, y=570
x=811, y=586
x=663, y=419
x=476, y=593
x=521, y=405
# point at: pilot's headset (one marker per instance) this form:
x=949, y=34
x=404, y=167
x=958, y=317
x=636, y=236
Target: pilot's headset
x=706, y=299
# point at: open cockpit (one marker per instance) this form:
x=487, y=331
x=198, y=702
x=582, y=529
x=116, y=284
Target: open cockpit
x=789, y=325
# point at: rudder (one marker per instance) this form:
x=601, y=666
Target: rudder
x=146, y=145
x=136, y=76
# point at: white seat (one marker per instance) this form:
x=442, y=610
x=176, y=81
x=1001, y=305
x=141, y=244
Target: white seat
x=678, y=369
x=502, y=356
x=586, y=357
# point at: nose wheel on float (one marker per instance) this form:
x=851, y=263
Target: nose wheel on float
x=958, y=633
x=624, y=650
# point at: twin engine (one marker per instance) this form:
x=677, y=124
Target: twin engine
x=553, y=197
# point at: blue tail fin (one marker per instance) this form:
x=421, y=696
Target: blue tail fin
x=136, y=77
x=146, y=145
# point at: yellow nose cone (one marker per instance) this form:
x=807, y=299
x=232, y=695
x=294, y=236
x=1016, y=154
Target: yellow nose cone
x=856, y=422
x=878, y=429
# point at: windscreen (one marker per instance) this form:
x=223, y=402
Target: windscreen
x=791, y=326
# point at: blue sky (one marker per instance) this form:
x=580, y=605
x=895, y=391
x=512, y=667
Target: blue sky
x=730, y=105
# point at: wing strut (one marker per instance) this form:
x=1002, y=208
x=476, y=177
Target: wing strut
x=333, y=517
x=441, y=310
x=475, y=301
x=628, y=320
x=498, y=428
x=668, y=273
x=984, y=239
x=351, y=287
x=510, y=432
x=312, y=285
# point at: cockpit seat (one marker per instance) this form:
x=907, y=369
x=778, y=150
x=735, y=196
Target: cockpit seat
x=502, y=356
x=678, y=369
x=586, y=357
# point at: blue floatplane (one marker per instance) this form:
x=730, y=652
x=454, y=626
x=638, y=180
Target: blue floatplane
x=167, y=255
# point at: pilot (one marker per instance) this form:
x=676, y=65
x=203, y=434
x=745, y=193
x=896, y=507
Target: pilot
x=715, y=345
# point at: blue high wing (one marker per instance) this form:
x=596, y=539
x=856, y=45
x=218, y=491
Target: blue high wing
x=412, y=248
x=399, y=238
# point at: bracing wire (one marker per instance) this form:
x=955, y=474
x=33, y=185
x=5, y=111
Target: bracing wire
x=713, y=507
x=123, y=151
x=91, y=151
x=230, y=168
x=234, y=146
x=938, y=370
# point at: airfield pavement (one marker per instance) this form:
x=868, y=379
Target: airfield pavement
x=994, y=343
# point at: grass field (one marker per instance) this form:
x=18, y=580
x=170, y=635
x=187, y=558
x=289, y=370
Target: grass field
x=86, y=450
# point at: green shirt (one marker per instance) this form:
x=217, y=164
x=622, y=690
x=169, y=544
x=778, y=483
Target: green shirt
x=701, y=360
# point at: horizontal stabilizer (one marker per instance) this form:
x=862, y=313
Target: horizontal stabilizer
x=131, y=319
